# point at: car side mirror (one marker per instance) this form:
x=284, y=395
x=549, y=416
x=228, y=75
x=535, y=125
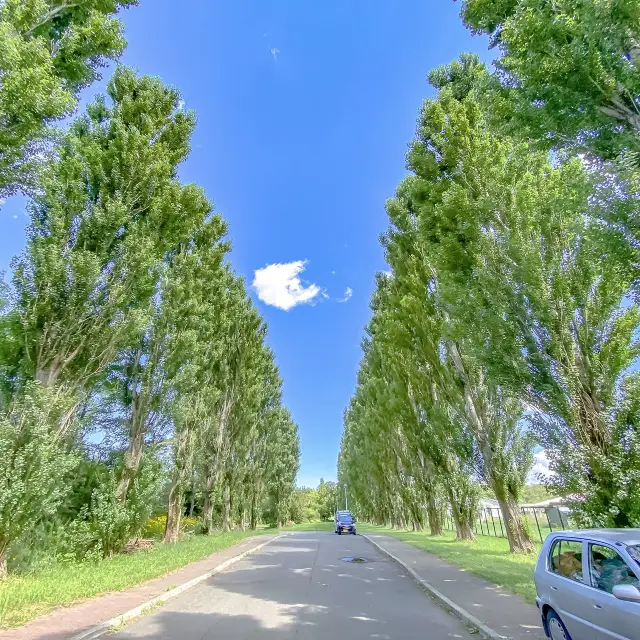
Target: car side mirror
x=626, y=592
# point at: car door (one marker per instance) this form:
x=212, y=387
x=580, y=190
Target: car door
x=611, y=618
x=565, y=577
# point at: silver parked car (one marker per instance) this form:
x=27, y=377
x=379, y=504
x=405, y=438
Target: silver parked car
x=588, y=584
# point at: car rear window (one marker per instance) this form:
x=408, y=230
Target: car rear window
x=565, y=559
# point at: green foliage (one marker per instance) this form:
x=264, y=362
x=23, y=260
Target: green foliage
x=512, y=282
x=303, y=506
x=122, y=311
x=535, y=493
x=51, y=49
x=106, y=524
x=327, y=499
x=34, y=463
x=569, y=73
x=110, y=208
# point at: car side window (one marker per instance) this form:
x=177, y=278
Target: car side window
x=607, y=569
x=566, y=559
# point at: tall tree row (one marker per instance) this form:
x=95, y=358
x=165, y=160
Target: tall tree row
x=134, y=371
x=509, y=316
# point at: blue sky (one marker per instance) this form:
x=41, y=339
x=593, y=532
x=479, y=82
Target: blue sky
x=305, y=110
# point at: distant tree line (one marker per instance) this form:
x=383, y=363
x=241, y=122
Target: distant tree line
x=135, y=376
x=509, y=316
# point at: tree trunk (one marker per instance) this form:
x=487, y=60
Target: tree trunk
x=183, y=454
x=207, y=510
x=174, y=512
x=464, y=531
x=227, y=508
x=434, y=517
x=253, y=513
x=519, y=540
x=132, y=459
x=137, y=431
x=192, y=501
x=462, y=518
x=4, y=572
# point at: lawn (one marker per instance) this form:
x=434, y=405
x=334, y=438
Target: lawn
x=311, y=526
x=488, y=557
x=24, y=597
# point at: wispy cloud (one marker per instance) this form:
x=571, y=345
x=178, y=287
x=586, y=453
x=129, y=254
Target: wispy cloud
x=278, y=285
x=347, y=294
x=540, y=468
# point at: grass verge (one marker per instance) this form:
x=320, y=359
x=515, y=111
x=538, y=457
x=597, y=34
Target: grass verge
x=487, y=557
x=311, y=526
x=24, y=597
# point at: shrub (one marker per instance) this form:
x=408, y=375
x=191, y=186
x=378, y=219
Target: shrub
x=33, y=462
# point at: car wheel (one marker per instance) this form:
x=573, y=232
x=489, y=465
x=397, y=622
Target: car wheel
x=557, y=630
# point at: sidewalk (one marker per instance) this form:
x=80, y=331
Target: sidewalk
x=67, y=622
x=507, y=614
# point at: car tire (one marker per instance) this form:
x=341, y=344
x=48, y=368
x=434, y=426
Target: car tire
x=555, y=626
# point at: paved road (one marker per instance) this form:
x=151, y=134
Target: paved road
x=299, y=587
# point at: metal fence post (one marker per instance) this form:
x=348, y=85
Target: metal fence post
x=535, y=515
x=493, y=522
x=500, y=520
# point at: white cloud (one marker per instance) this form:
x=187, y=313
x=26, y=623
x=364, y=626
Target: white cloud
x=347, y=294
x=540, y=468
x=278, y=285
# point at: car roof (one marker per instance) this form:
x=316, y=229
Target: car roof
x=612, y=536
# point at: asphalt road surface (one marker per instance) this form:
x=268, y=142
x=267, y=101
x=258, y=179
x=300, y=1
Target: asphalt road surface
x=299, y=587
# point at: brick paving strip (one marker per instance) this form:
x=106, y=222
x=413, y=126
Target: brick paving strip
x=79, y=619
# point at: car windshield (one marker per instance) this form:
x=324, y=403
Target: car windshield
x=634, y=552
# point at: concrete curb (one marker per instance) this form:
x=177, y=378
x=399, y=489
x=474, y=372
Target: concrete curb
x=105, y=627
x=463, y=614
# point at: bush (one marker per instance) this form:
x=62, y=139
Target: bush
x=107, y=525
x=34, y=463
x=154, y=527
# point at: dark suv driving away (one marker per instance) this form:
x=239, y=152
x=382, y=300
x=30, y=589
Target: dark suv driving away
x=345, y=523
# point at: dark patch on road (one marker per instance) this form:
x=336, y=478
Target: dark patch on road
x=355, y=559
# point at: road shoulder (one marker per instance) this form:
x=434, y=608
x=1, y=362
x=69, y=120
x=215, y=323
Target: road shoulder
x=493, y=611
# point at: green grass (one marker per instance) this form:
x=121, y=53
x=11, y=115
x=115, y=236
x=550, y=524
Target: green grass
x=488, y=557
x=24, y=597
x=311, y=526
